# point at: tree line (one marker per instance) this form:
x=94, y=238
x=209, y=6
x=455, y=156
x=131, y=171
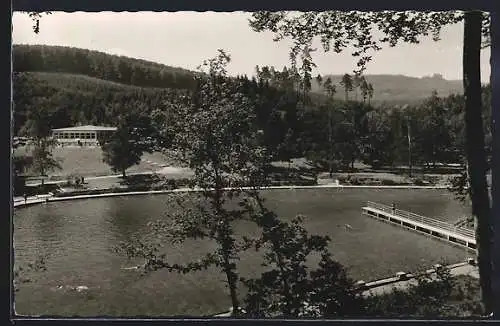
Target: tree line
x=43, y=58
x=331, y=133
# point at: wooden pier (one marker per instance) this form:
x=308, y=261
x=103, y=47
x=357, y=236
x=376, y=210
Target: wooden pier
x=422, y=224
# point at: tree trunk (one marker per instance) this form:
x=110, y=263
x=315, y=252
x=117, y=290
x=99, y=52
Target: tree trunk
x=330, y=140
x=474, y=145
x=231, y=281
x=495, y=163
x=223, y=239
x=409, y=150
x=42, y=172
x=124, y=175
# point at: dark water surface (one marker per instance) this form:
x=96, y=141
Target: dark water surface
x=77, y=237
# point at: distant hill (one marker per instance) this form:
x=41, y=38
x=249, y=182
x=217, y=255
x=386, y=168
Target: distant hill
x=90, y=87
x=390, y=89
x=124, y=70
x=399, y=89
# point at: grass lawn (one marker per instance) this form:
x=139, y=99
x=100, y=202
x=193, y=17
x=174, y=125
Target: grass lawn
x=87, y=162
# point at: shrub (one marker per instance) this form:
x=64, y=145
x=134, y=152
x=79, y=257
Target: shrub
x=355, y=181
x=290, y=288
x=419, y=182
x=41, y=189
x=429, y=297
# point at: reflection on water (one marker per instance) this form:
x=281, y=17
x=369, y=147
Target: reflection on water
x=126, y=218
x=78, y=237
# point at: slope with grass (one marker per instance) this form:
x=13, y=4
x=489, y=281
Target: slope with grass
x=73, y=99
x=87, y=162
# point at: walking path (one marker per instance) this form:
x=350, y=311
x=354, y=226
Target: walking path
x=19, y=201
x=389, y=284
x=114, y=181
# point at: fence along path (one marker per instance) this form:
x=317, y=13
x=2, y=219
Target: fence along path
x=423, y=224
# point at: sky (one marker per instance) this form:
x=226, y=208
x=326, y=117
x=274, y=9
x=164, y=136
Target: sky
x=185, y=39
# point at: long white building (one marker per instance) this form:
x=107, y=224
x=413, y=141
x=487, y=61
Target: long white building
x=82, y=135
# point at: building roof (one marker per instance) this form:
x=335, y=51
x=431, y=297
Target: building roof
x=86, y=128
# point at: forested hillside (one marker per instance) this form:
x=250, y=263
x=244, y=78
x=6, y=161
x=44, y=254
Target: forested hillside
x=399, y=89
x=390, y=89
x=44, y=58
x=70, y=99
x=60, y=87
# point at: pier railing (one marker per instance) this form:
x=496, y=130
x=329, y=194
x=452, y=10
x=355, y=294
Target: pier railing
x=423, y=219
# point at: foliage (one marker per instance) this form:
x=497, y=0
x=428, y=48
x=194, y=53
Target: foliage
x=379, y=142
x=72, y=99
x=36, y=17
x=38, y=129
x=434, y=137
x=459, y=186
x=355, y=30
x=125, y=147
x=340, y=30
x=216, y=136
x=20, y=164
x=347, y=83
x=290, y=127
x=115, y=68
x=287, y=289
x=428, y=297
x=42, y=160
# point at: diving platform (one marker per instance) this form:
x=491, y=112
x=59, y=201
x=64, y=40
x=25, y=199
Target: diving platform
x=425, y=225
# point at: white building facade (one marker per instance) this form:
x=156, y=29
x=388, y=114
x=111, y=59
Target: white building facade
x=82, y=135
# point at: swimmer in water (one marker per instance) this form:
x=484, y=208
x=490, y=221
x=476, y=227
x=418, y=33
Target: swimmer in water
x=135, y=267
x=346, y=226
